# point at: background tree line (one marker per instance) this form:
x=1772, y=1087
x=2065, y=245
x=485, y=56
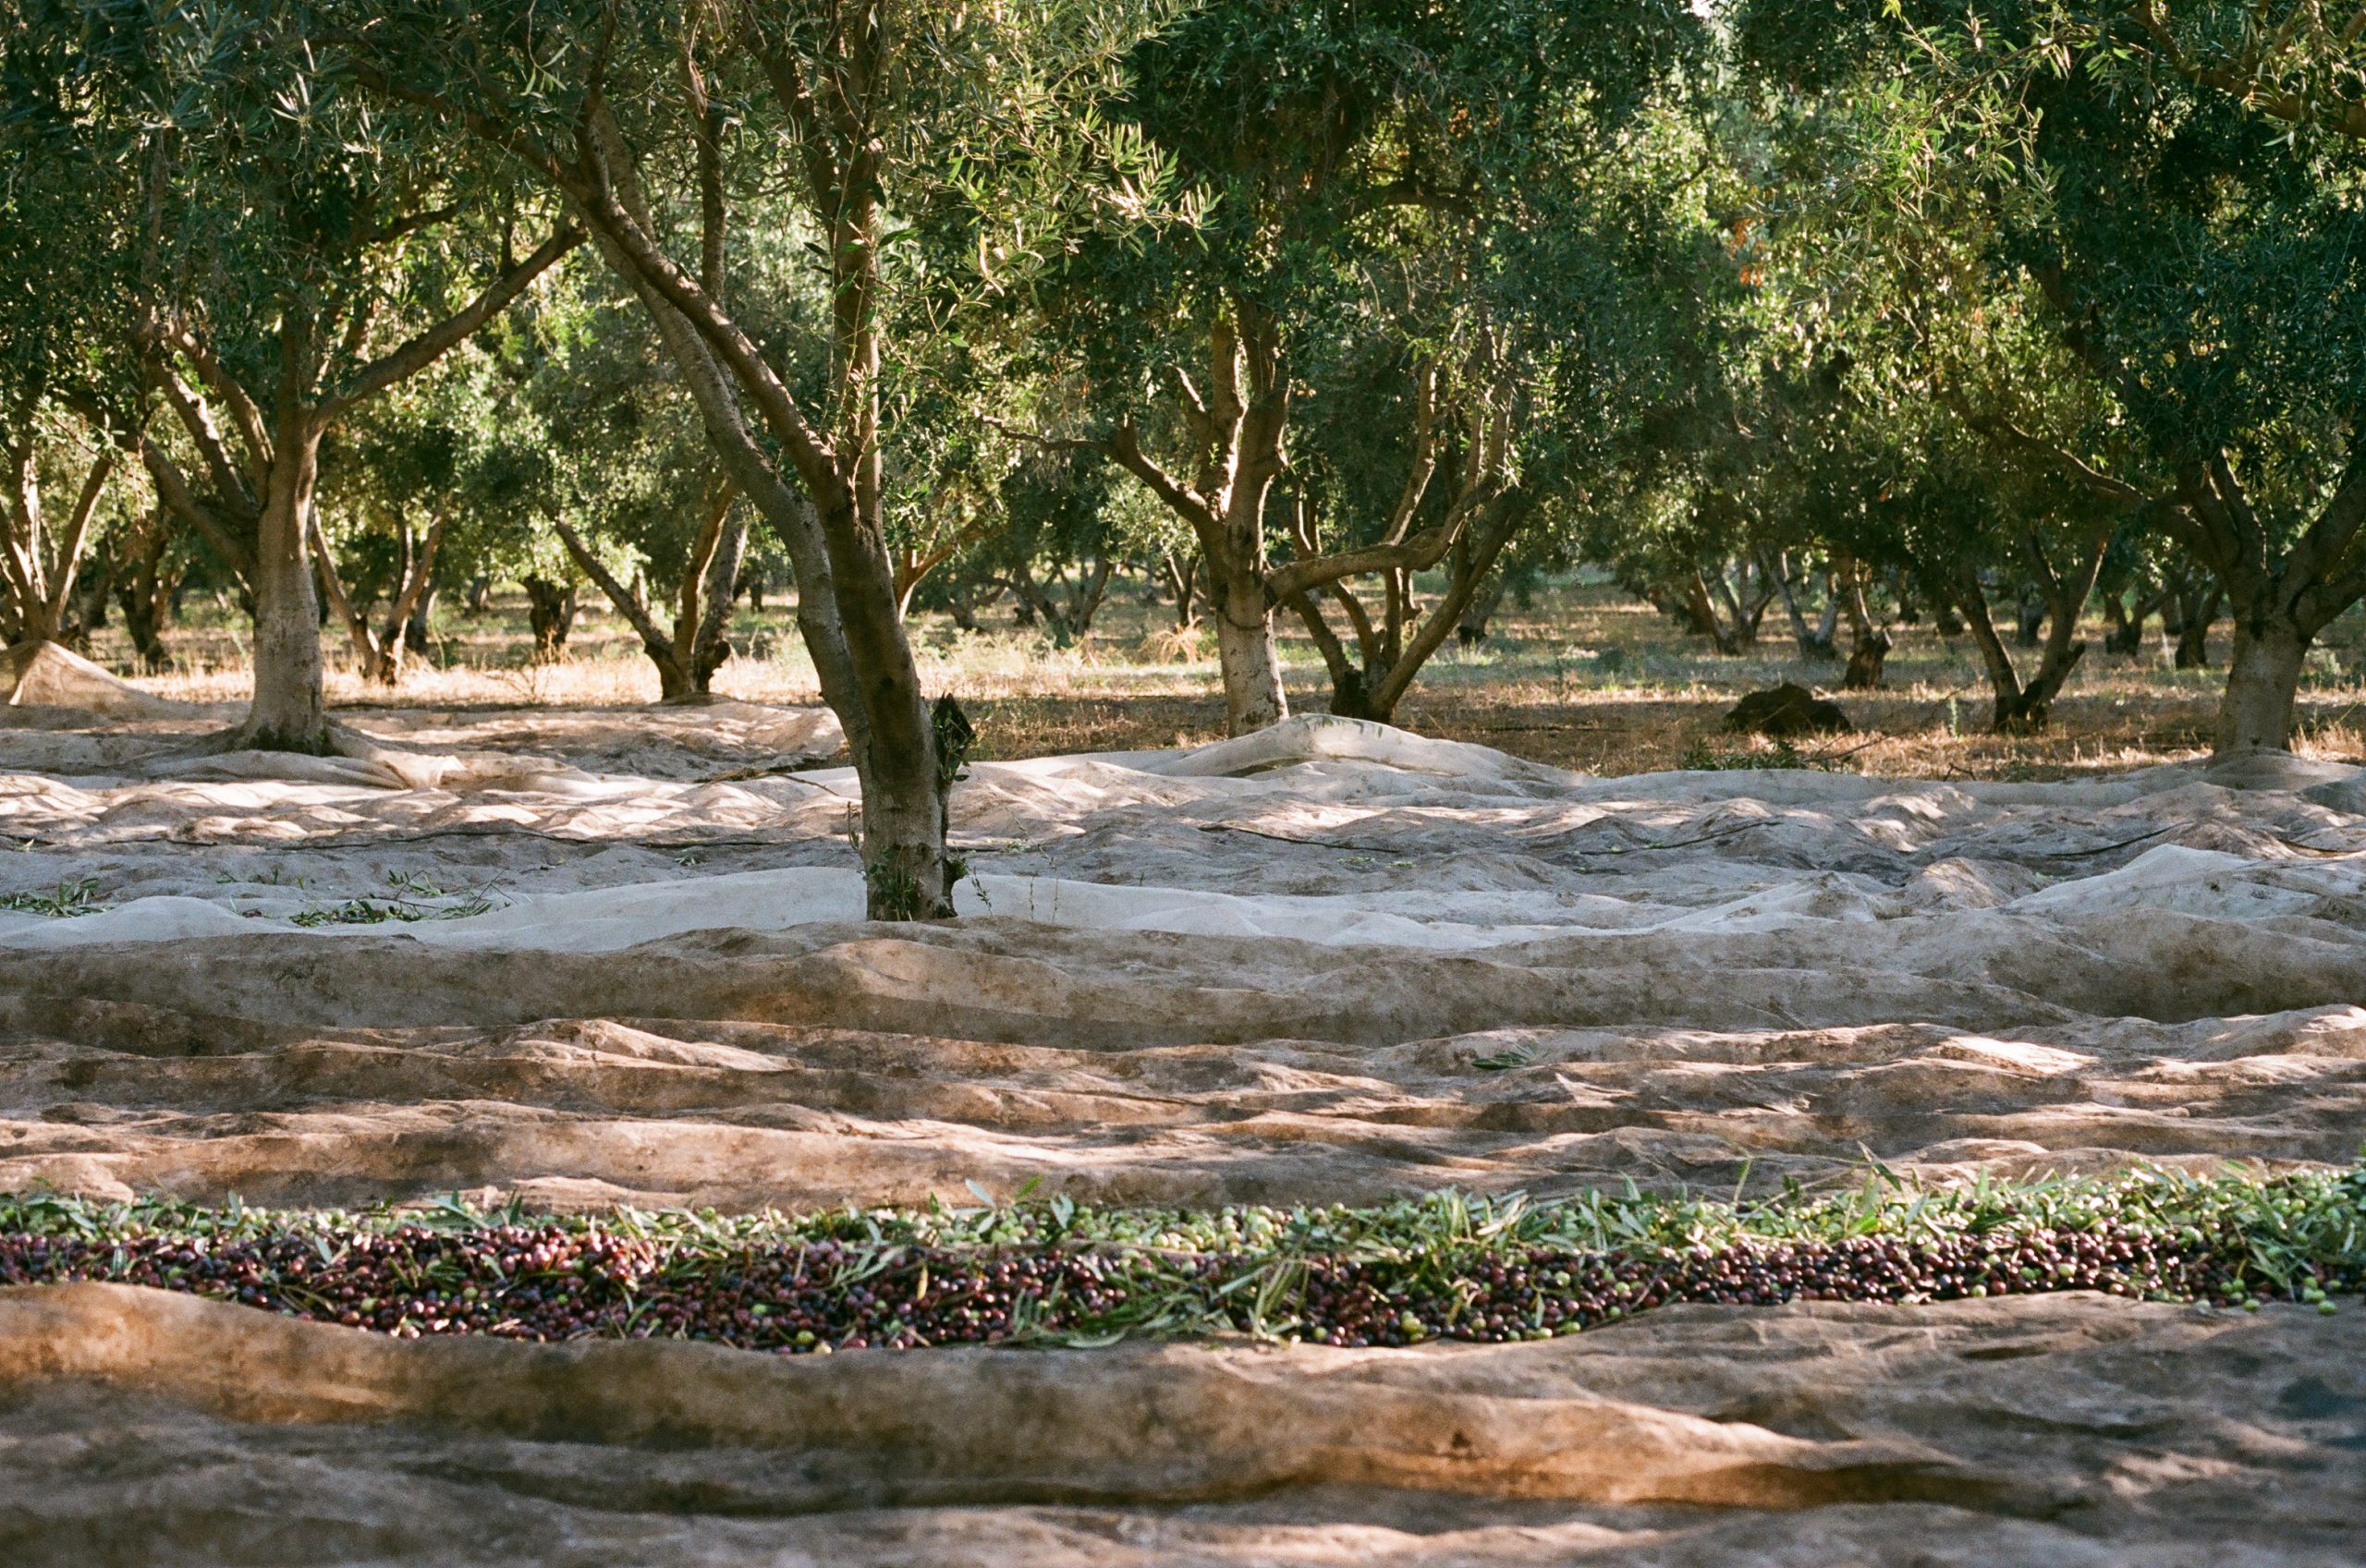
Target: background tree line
x=1332, y=314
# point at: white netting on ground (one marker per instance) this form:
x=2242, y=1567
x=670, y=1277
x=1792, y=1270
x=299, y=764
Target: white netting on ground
x=46, y=675
x=583, y=958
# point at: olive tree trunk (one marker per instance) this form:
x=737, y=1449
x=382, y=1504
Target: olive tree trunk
x=380, y=651
x=287, y=713
x=688, y=656
x=2029, y=705
x=256, y=507
x=1371, y=680
x=2279, y=605
x=2262, y=685
x=146, y=587
x=1247, y=655
x=831, y=520
x=550, y=614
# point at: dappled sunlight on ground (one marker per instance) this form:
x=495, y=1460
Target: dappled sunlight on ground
x=579, y=955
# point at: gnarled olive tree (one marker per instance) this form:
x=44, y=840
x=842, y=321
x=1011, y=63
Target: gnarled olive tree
x=673, y=133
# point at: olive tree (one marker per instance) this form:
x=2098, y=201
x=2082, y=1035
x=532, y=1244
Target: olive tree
x=297, y=256
x=1337, y=148
x=673, y=133
x=66, y=222
x=2181, y=196
x=1569, y=333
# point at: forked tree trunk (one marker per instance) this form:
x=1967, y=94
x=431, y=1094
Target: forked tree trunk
x=1370, y=679
x=1867, y=655
x=1065, y=608
x=1676, y=601
x=688, y=656
x=271, y=482
x=421, y=624
x=1091, y=592
x=1238, y=430
x=1181, y=574
x=1700, y=610
x=2020, y=706
x=146, y=593
x=39, y=562
x=1830, y=619
x=1815, y=643
x=1745, y=602
x=1869, y=644
x=381, y=652
x=2125, y=613
x=2187, y=615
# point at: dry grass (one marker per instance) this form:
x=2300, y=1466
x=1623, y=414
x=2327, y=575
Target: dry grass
x=1585, y=679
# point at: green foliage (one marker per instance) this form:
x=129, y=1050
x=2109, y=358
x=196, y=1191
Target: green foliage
x=1959, y=295
x=272, y=200
x=1701, y=756
x=2295, y=1236
x=411, y=897
x=78, y=897
x=2113, y=260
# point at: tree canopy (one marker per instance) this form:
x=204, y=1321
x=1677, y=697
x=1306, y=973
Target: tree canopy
x=1327, y=315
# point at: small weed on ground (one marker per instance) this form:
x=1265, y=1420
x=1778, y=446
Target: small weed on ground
x=79, y=897
x=412, y=897
x=1699, y=758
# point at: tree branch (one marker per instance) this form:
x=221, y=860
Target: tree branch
x=172, y=488
x=1418, y=553
x=78, y=528
x=628, y=603
x=243, y=411
x=357, y=626
x=1124, y=447
x=415, y=580
x=197, y=422
x=428, y=346
x=2244, y=80
x=2005, y=431
x=410, y=222
x=1443, y=616
x=809, y=450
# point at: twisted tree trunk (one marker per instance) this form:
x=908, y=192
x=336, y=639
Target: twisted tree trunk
x=688, y=656
x=2021, y=706
x=38, y=564
x=549, y=613
x=380, y=653
x=148, y=591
